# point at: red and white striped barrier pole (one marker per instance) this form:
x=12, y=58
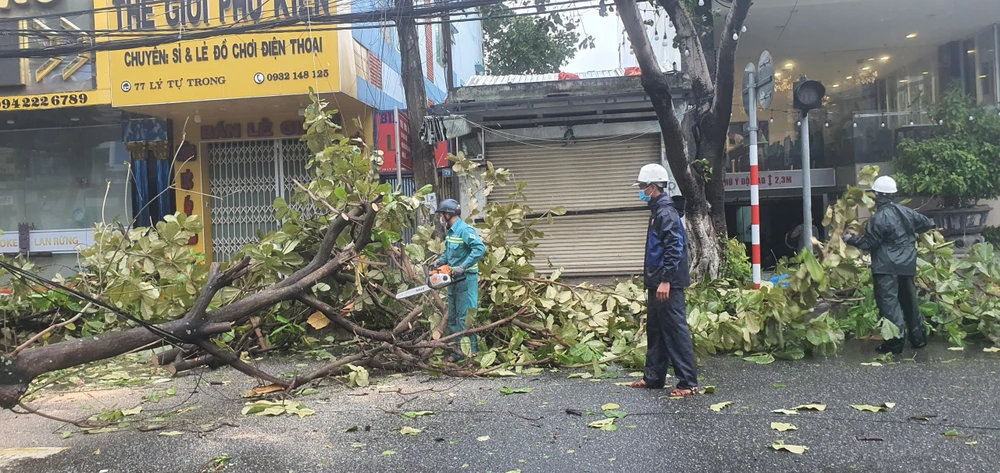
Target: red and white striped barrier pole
x=754, y=183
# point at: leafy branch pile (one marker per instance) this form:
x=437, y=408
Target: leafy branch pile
x=338, y=260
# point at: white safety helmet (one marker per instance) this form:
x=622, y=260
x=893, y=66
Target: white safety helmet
x=884, y=185
x=652, y=174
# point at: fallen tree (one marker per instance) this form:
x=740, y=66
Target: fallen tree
x=338, y=259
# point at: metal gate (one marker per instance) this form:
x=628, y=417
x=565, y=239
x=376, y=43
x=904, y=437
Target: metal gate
x=245, y=177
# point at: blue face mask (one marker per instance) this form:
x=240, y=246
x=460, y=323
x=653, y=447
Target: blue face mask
x=643, y=197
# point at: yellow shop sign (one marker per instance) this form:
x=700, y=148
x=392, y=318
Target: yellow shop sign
x=260, y=63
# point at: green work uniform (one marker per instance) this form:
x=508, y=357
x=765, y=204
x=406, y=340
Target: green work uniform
x=463, y=248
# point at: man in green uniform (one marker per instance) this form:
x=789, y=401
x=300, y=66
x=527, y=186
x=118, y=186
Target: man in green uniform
x=463, y=250
x=891, y=237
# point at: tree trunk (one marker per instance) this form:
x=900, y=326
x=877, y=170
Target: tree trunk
x=412, y=73
x=680, y=139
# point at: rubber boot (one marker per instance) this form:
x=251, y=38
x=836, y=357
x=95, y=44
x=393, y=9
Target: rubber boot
x=894, y=346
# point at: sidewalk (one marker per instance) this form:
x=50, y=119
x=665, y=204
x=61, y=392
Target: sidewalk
x=475, y=428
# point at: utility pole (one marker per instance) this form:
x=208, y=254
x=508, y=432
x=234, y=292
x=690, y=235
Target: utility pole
x=449, y=68
x=807, y=95
x=412, y=74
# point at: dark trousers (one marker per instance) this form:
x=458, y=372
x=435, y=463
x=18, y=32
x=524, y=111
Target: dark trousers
x=896, y=298
x=669, y=341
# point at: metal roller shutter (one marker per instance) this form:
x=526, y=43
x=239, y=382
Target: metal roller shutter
x=610, y=244
x=582, y=177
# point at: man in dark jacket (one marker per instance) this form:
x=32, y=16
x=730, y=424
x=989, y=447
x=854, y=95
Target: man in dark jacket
x=666, y=275
x=891, y=237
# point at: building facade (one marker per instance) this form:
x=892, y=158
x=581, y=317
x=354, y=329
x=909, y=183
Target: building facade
x=62, y=159
x=195, y=109
x=882, y=62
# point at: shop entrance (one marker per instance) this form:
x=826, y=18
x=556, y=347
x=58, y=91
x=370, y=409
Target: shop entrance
x=245, y=177
x=778, y=217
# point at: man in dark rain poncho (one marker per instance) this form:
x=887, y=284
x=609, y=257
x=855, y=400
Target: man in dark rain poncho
x=891, y=237
x=666, y=276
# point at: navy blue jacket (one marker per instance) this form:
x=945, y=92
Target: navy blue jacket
x=666, y=244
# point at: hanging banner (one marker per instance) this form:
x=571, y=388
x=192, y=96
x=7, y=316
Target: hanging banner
x=255, y=63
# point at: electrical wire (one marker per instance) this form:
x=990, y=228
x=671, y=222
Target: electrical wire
x=159, y=39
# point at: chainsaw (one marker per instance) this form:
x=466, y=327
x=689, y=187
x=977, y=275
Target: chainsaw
x=437, y=279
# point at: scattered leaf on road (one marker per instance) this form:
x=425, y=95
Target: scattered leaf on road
x=888, y=405
x=636, y=374
x=581, y=375
x=760, y=359
x=778, y=385
x=781, y=427
x=389, y=452
x=787, y=412
x=956, y=348
x=992, y=350
x=604, y=424
x=509, y=390
x=353, y=428
x=796, y=449
x=873, y=363
x=610, y=407
x=410, y=431
x=415, y=414
x=615, y=414
x=867, y=408
x=811, y=407
x=483, y=438
x=132, y=412
x=709, y=390
x=172, y=433
x=720, y=406
x=955, y=434
x=972, y=443
x=922, y=418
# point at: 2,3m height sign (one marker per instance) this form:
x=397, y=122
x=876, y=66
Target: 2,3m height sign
x=284, y=59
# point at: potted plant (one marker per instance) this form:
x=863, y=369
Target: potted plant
x=958, y=164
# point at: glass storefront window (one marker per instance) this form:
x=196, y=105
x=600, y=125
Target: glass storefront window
x=56, y=179
x=986, y=56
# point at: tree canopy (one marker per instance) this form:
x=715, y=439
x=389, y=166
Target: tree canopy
x=529, y=44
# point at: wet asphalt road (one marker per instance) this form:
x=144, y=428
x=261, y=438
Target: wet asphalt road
x=475, y=428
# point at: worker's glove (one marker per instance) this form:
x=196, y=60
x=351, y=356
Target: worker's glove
x=851, y=239
x=458, y=271
x=437, y=264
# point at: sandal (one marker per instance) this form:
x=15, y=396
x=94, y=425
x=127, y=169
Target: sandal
x=679, y=392
x=641, y=384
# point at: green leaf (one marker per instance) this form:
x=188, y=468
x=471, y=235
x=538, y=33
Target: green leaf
x=615, y=414
x=508, y=390
x=415, y=414
x=410, y=431
x=610, y=407
x=760, y=359
x=340, y=193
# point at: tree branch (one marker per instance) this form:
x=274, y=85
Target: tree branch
x=334, y=315
x=725, y=78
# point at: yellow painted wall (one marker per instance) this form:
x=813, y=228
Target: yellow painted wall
x=195, y=173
